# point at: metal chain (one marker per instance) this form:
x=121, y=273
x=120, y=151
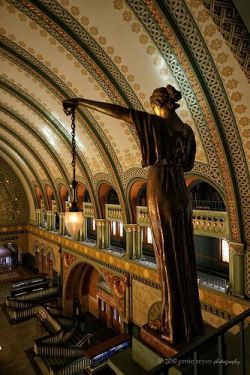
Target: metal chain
x=73, y=151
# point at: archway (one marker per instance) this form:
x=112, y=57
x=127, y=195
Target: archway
x=86, y=291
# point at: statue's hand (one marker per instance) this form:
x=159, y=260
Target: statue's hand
x=70, y=105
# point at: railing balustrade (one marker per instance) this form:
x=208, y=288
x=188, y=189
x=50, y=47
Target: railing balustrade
x=205, y=222
x=113, y=212
x=212, y=281
x=88, y=209
x=208, y=205
x=190, y=355
x=48, y=292
x=57, y=351
x=73, y=367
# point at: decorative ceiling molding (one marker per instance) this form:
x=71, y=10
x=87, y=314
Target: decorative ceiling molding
x=59, y=23
x=236, y=167
x=38, y=158
x=37, y=181
x=229, y=23
x=53, y=154
x=44, y=75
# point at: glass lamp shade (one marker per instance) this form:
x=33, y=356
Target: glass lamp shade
x=73, y=222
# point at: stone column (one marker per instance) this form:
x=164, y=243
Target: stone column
x=102, y=234
x=83, y=231
x=38, y=217
x=133, y=241
x=62, y=229
x=53, y=220
x=237, y=268
x=137, y=241
x=49, y=220
x=106, y=234
x=129, y=240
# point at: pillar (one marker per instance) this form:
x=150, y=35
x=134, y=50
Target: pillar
x=133, y=241
x=102, y=234
x=83, y=231
x=236, y=268
x=53, y=220
x=38, y=217
x=62, y=229
x=49, y=220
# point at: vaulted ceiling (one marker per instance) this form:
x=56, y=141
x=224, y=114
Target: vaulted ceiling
x=119, y=51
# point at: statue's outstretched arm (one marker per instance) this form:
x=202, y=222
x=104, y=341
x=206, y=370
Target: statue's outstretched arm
x=109, y=109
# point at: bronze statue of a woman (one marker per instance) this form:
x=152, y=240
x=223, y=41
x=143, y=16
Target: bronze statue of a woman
x=168, y=147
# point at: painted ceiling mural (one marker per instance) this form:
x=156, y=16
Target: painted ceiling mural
x=119, y=51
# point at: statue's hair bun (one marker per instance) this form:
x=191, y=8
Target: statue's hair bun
x=174, y=94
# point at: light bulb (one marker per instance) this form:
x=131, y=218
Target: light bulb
x=73, y=222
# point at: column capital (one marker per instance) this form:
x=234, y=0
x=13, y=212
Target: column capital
x=100, y=222
x=236, y=248
x=132, y=227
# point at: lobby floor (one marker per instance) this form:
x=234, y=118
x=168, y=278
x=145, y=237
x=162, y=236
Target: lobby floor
x=14, y=340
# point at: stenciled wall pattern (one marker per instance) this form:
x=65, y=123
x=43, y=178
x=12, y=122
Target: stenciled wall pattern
x=13, y=202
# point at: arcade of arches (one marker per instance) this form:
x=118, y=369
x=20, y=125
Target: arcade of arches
x=119, y=53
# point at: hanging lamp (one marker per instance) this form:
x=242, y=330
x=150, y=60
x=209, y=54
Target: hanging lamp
x=73, y=217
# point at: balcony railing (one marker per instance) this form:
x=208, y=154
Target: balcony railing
x=88, y=209
x=142, y=216
x=212, y=281
x=192, y=353
x=113, y=212
x=211, y=223
x=206, y=223
x=208, y=205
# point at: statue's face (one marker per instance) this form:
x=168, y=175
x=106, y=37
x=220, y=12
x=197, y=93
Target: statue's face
x=161, y=111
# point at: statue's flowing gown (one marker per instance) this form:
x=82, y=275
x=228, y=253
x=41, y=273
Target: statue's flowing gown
x=169, y=153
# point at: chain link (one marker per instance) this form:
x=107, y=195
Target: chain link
x=73, y=151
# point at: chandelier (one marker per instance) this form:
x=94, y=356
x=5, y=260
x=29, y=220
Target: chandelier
x=73, y=217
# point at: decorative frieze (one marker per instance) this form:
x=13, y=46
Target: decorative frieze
x=118, y=286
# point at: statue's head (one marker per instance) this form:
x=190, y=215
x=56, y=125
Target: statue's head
x=165, y=97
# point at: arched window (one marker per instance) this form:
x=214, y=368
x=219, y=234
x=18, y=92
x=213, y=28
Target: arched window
x=86, y=197
x=142, y=196
x=112, y=197
x=205, y=197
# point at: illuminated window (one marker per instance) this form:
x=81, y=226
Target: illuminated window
x=224, y=251
x=114, y=228
x=149, y=236
x=103, y=305
x=114, y=314
x=93, y=225
x=120, y=229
